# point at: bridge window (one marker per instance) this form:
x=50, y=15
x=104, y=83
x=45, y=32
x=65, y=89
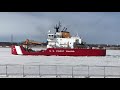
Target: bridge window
x=50, y=36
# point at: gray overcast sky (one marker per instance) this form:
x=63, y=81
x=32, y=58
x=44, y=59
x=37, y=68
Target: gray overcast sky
x=93, y=27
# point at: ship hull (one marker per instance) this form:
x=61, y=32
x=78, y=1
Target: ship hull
x=19, y=50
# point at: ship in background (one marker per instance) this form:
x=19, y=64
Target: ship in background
x=60, y=43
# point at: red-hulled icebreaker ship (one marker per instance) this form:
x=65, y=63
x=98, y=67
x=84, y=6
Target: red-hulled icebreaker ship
x=60, y=43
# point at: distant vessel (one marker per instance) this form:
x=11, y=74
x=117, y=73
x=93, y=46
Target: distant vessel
x=60, y=43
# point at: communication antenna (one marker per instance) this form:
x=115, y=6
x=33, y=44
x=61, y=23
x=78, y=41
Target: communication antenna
x=60, y=24
x=57, y=27
x=63, y=28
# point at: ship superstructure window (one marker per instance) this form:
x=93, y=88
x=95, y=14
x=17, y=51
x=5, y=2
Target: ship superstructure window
x=57, y=36
x=54, y=36
x=50, y=36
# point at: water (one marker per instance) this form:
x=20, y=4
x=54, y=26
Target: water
x=111, y=59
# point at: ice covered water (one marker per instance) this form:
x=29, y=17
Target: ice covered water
x=13, y=61
x=111, y=59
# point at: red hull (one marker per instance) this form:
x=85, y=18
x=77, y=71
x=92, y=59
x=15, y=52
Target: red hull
x=61, y=52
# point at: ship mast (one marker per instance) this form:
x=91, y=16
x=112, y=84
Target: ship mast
x=57, y=27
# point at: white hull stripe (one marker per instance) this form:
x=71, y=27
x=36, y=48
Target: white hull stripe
x=18, y=50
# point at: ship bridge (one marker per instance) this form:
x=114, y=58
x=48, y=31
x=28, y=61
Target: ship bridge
x=62, y=38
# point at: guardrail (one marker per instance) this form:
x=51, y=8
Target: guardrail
x=59, y=71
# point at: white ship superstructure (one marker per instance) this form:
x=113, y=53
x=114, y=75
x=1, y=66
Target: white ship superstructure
x=62, y=39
